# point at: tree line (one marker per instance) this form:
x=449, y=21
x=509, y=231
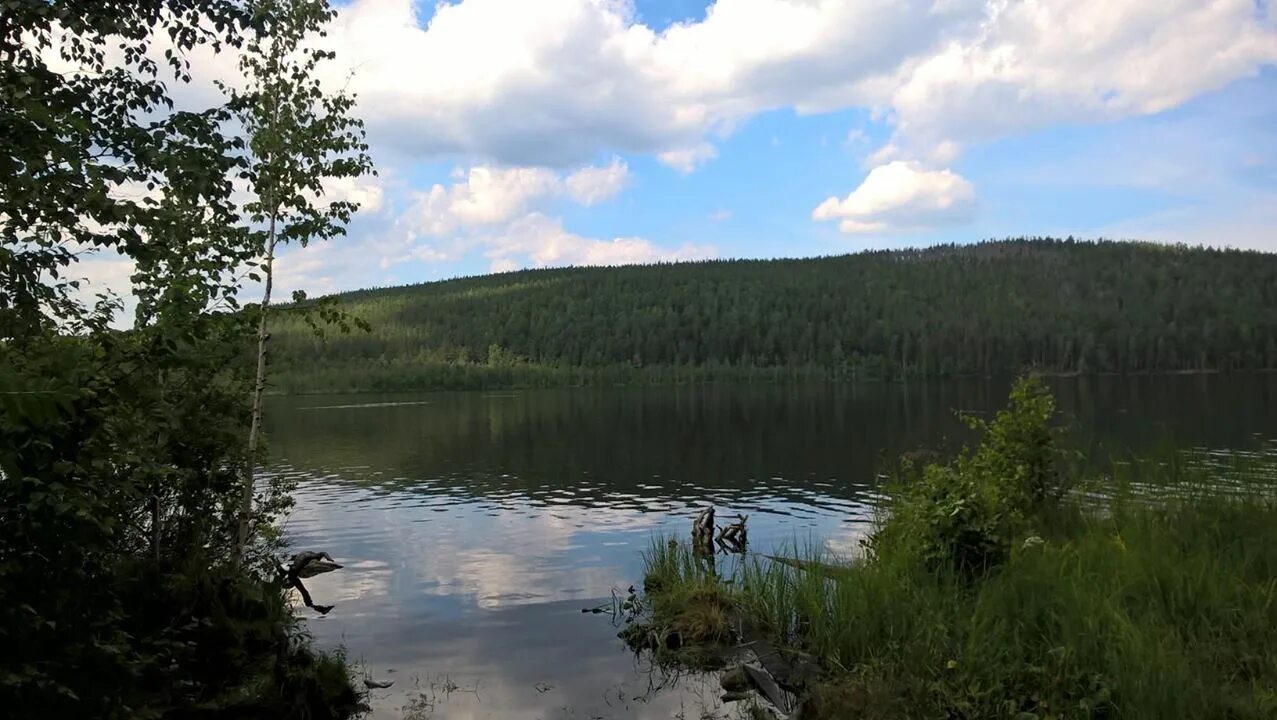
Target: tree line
x=992, y=308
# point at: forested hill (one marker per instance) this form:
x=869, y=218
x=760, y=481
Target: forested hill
x=990, y=308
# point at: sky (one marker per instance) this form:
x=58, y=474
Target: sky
x=534, y=133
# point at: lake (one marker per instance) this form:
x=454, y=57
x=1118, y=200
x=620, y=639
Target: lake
x=474, y=527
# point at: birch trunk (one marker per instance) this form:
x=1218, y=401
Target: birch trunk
x=259, y=387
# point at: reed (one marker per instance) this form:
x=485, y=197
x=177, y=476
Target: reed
x=1148, y=590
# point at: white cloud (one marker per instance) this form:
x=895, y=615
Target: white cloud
x=591, y=185
x=366, y=190
x=686, y=159
x=1036, y=63
x=99, y=275
x=499, y=212
x=483, y=196
x=721, y=215
x=901, y=196
x=856, y=137
x=540, y=241
x=555, y=82
x=942, y=152
x=486, y=196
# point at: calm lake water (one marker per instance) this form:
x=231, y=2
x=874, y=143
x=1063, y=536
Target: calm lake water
x=474, y=527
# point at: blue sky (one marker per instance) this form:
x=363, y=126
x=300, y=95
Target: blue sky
x=532, y=133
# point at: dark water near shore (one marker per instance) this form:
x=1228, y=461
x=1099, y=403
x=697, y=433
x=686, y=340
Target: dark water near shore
x=474, y=527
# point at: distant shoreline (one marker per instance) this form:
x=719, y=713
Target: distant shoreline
x=743, y=381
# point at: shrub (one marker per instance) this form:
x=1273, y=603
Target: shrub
x=965, y=515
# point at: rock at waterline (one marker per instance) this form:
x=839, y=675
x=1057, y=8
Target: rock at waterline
x=734, y=679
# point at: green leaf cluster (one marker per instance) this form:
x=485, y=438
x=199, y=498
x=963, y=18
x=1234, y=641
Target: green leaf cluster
x=965, y=515
x=123, y=589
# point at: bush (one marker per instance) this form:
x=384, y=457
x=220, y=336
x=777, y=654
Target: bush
x=965, y=515
x=1153, y=600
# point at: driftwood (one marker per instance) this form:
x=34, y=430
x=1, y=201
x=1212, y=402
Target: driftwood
x=768, y=687
x=734, y=538
x=737, y=682
x=309, y=564
x=304, y=565
x=792, y=670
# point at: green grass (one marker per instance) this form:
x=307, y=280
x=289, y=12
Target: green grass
x=1138, y=612
x=1149, y=591
x=692, y=612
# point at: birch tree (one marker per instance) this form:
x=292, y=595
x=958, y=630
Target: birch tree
x=301, y=136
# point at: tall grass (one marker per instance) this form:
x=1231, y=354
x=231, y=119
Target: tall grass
x=1153, y=598
x=1151, y=612
x=696, y=607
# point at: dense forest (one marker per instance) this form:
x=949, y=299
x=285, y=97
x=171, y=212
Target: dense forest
x=991, y=308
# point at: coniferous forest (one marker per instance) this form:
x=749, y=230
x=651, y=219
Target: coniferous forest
x=1057, y=306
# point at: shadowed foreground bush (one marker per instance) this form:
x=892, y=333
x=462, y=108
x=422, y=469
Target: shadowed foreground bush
x=214, y=644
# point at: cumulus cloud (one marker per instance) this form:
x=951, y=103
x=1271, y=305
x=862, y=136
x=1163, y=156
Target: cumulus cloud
x=591, y=185
x=481, y=196
x=366, y=191
x=540, y=241
x=557, y=81
x=901, y=196
x=1031, y=64
x=686, y=159
x=500, y=213
x=485, y=195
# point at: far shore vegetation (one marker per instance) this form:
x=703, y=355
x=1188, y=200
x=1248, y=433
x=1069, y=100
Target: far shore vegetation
x=1008, y=583
x=1061, y=307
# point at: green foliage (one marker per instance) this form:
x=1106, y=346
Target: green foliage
x=1018, y=451
x=1155, y=604
x=1131, y=609
x=300, y=134
x=122, y=452
x=966, y=515
x=995, y=308
x=299, y=138
x=71, y=141
x=1166, y=612
x=691, y=612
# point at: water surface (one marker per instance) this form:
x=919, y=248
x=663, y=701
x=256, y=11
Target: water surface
x=474, y=527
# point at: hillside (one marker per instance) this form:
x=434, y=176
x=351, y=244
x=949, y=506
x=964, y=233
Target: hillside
x=989, y=308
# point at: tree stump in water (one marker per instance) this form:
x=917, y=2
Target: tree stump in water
x=734, y=538
x=703, y=532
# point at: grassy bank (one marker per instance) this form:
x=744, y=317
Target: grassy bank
x=993, y=589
